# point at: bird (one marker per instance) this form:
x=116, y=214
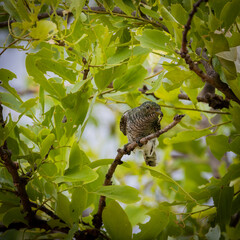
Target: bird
x=139, y=122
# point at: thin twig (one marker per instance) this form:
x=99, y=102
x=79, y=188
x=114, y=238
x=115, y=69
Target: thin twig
x=154, y=75
x=12, y=43
x=97, y=220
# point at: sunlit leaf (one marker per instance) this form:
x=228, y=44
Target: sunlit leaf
x=43, y=30
x=187, y=136
x=157, y=223
x=78, y=202
x=63, y=208
x=229, y=13
x=131, y=79
x=218, y=145
x=47, y=144
x=48, y=169
x=5, y=77
x=123, y=194
x=77, y=174
x=154, y=39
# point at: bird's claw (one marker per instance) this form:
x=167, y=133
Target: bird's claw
x=139, y=143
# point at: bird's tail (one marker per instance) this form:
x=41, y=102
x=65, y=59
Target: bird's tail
x=150, y=159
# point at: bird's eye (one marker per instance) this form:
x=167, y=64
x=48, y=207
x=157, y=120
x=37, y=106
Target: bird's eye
x=148, y=107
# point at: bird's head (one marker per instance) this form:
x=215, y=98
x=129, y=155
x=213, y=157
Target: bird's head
x=150, y=108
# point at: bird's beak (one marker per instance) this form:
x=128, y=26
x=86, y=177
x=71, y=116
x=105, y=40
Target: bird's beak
x=158, y=111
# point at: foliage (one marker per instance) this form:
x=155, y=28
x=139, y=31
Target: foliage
x=82, y=55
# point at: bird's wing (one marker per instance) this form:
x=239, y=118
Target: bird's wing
x=123, y=123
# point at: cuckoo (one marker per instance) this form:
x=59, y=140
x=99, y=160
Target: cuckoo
x=140, y=122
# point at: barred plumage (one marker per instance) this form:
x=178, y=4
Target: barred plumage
x=140, y=122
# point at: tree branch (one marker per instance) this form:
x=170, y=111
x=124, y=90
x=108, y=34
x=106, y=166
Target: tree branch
x=97, y=219
x=215, y=101
x=98, y=10
x=213, y=80
x=18, y=181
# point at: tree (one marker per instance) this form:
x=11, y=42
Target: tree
x=82, y=55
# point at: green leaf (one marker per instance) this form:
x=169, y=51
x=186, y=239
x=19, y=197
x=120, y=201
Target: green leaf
x=234, y=40
x=217, y=6
x=37, y=75
x=124, y=7
x=58, y=67
x=9, y=127
x=29, y=103
x=48, y=169
x=13, y=215
x=132, y=99
x=165, y=177
x=100, y=162
x=223, y=202
x=104, y=77
x=182, y=75
x=131, y=79
x=43, y=30
x=150, y=13
x=217, y=44
x=29, y=134
x=151, y=229
x=118, y=227
x=76, y=103
x=5, y=77
x=167, y=16
x=58, y=118
x=10, y=7
x=218, y=145
x=10, y=101
x=76, y=6
x=187, y=136
x=121, y=54
x=136, y=214
x=232, y=174
x=214, y=233
x=213, y=22
x=123, y=194
x=78, y=202
x=63, y=209
x=179, y=13
x=47, y=144
x=236, y=117
x=234, y=145
x=235, y=86
x=78, y=174
x=230, y=55
x=154, y=39
x=77, y=157
x=9, y=198
x=229, y=13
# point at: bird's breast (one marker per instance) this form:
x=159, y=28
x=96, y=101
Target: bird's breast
x=140, y=126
